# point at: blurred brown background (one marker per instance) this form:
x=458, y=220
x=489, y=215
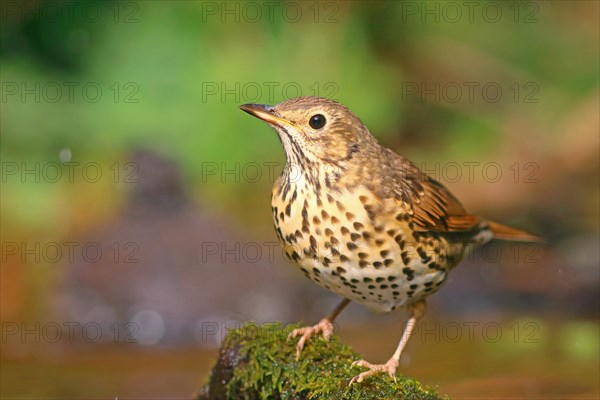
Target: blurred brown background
x=136, y=223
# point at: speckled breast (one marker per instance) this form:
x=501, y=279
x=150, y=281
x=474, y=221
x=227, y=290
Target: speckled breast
x=358, y=246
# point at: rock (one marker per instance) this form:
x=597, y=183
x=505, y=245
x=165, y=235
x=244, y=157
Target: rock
x=258, y=362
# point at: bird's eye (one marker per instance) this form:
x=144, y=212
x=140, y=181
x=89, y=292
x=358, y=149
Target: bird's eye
x=317, y=121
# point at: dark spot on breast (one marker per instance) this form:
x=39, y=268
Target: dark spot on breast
x=372, y=286
x=350, y=216
x=400, y=241
x=362, y=256
x=334, y=220
x=328, y=232
x=363, y=199
x=383, y=286
x=340, y=270
x=384, y=253
x=379, y=279
x=367, y=280
x=377, y=264
x=394, y=286
x=344, y=230
x=363, y=263
x=354, y=236
x=358, y=226
x=351, y=246
x=316, y=271
x=316, y=220
x=428, y=284
x=391, y=278
x=405, y=258
x=324, y=215
x=388, y=261
x=366, y=235
x=344, y=258
x=414, y=286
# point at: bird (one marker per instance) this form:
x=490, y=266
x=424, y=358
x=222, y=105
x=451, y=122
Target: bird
x=362, y=221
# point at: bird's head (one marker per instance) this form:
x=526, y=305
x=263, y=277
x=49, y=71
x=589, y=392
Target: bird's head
x=317, y=132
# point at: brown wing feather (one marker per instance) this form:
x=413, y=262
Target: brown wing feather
x=434, y=208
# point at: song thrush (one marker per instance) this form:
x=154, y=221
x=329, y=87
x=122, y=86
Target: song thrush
x=361, y=220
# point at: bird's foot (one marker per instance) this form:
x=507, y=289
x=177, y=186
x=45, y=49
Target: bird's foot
x=390, y=367
x=324, y=327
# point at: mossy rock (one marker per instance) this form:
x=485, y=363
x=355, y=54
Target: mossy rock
x=258, y=362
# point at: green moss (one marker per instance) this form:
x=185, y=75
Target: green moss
x=268, y=369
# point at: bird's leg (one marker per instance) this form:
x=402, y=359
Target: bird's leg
x=325, y=326
x=416, y=311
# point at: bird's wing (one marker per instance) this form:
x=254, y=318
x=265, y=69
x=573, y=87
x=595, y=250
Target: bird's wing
x=433, y=207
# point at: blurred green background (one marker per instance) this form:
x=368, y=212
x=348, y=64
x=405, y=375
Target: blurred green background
x=121, y=131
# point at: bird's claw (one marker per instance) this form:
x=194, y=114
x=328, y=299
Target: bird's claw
x=390, y=367
x=324, y=327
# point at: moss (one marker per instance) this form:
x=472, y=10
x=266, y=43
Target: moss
x=265, y=367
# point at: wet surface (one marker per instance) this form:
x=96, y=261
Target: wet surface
x=463, y=359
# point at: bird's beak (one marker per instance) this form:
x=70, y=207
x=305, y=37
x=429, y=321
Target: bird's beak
x=265, y=113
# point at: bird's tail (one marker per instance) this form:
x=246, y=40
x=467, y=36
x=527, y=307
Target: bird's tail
x=504, y=232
